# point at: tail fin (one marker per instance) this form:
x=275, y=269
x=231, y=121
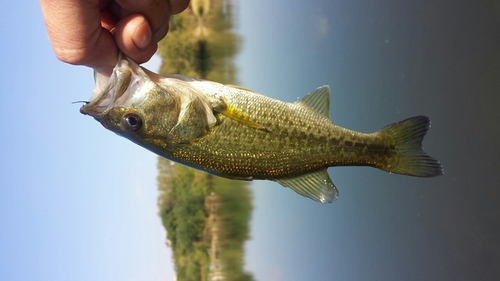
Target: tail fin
x=407, y=136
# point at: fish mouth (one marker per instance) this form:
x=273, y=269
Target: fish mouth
x=113, y=91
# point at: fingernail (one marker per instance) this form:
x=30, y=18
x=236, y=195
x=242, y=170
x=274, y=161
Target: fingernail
x=142, y=35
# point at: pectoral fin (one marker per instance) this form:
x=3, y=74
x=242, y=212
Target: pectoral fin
x=316, y=185
x=236, y=114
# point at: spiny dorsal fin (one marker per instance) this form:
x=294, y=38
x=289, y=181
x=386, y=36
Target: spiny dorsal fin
x=236, y=114
x=239, y=87
x=316, y=185
x=318, y=100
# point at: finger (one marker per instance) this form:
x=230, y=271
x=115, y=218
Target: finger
x=177, y=6
x=74, y=29
x=134, y=38
x=108, y=19
x=157, y=13
x=174, y=7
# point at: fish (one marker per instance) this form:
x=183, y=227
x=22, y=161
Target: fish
x=236, y=133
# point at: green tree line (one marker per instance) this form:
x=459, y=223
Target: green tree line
x=201, y=44
x=184, y=214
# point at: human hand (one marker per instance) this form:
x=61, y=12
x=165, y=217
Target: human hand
x=90, y=32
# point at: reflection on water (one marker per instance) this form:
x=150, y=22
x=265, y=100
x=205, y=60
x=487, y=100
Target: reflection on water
x=384, y=61
x=206, y=217
x=200, y=42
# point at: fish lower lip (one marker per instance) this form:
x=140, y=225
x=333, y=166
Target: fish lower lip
x=109, y=89
x=102, y=98
x=82, y=110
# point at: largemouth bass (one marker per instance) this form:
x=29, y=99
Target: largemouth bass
x=236, y=133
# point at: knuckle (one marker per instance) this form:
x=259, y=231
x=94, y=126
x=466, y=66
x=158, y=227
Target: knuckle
x=74, y=56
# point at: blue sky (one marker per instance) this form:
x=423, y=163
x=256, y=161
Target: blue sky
x=76, y=202
x=79, y=203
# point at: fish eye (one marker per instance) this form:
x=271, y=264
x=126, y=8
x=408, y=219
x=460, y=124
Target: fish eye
x=132, y=122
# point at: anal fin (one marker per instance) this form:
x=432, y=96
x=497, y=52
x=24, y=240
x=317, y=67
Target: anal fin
x=316, y=185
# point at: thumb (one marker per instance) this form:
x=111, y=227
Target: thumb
x=134, y=38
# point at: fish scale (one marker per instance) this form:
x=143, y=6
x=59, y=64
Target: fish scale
x=281, y=149
x=239, y=134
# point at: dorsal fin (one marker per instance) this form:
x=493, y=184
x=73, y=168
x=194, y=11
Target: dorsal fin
x=316, y=185
x=239, y=88
x=318, y=100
